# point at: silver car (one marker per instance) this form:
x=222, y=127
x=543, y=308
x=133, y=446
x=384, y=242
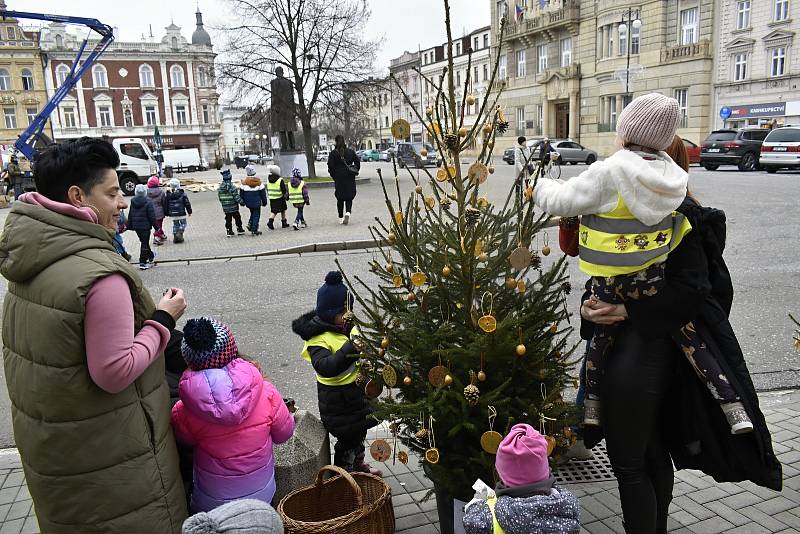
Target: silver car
x=569, y=152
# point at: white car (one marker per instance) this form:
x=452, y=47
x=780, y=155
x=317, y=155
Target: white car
x=322, y=155
x=781, y=149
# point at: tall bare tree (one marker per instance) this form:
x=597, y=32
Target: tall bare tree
x=319, y=43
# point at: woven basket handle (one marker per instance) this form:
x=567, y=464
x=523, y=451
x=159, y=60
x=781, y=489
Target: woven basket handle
x=339, y=471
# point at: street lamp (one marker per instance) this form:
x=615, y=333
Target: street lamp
x=630, y=19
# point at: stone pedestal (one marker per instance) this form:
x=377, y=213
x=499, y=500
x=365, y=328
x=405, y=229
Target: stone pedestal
x=298, y=461
x=288, y=160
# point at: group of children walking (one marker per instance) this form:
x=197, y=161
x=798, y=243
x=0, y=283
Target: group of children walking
x=254, y=195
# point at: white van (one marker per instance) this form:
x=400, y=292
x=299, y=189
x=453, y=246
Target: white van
x=183, y=160
x=136, y=163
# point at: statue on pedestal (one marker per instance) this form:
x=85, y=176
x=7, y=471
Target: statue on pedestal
x=282, y=110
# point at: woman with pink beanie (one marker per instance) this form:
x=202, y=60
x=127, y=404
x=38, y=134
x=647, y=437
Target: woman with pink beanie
x=156, y=197
x=526, y=500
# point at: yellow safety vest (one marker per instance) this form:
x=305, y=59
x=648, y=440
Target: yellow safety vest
x=492, y=501
x=296, y=193
x=333, y=342
x=616, y=243
x=274, y=189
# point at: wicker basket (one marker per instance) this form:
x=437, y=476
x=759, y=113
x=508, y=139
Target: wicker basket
x=347, y=503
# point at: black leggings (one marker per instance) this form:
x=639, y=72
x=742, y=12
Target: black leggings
x=639, y=373
x=341, y=204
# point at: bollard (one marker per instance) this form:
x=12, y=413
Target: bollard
x=298, y=461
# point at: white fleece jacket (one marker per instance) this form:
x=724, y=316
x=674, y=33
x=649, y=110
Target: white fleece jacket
x=652, y=189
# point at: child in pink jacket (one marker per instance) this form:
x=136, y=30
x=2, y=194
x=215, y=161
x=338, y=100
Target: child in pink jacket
x=231, y=416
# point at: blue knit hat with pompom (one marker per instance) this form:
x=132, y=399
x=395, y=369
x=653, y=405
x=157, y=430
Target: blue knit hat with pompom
x=331, y=297
x=208, y=344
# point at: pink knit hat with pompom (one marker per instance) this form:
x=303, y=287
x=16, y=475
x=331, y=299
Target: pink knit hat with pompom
x=153, y=181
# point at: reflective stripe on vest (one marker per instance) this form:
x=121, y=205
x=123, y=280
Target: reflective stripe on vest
x=274, y=189
x=296, y=193
x=492, y=501
x=616, y=243
x=333, y=342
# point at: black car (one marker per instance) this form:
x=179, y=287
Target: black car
x=508, y=156
x=740, y=147
x=241, y=161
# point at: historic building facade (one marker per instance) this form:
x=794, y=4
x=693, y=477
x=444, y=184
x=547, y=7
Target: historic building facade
x=136, y=86
x=566, y=63
x=757, y=67
x=22, y=87
x=403, y=70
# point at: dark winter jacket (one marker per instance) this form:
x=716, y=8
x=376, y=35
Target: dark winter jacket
x=253, y=194
x=229, y=197
x=156, y=197
x=176, y=204
x=344, y=410
x=699, y=289
x=141, y=215
x=343, y=177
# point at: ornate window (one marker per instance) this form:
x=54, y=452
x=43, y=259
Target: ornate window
x=566, y=52
x=99, y=76
x=778, y=64
x=742, y=14
x=689, y=26
x=739, y=67
x=27, y=80
x=5, y=80
x=146, y=76
x=176, y=76
x=62, y=71
x=781, y=10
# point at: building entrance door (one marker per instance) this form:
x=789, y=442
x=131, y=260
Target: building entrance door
x=562, y=120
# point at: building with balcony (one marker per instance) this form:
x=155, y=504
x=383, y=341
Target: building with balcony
x=367, y=111
x=408, y=81
x=566, y=64
x=757, y=68
x=22, y=88
x=136, y=86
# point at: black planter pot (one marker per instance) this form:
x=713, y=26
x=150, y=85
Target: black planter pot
x=445, y=507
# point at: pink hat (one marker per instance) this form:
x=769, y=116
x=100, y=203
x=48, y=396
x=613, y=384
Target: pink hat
x=522, y=457
x=650, y=121
x=153, y=181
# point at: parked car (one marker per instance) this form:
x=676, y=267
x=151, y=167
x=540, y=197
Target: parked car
x=733, y=147
x=569, y=151
x=370, y=155
x=781, y=149
x=360, y=154
x=409, y=154
x=508, y=156
x=136, y=163
x=693, y=150
x=386, y=155
x=241, y=161
x=322, y=155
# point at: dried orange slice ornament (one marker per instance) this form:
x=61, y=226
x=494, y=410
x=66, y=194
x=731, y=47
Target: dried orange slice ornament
x=478, y=172
x=441, y=175
x=401, y=129
x=418, y=278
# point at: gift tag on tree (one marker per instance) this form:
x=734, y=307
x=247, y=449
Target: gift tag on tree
x=380, y=450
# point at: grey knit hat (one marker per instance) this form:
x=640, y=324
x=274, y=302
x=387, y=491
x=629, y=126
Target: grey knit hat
x=650, y=121
x=140, y=190
x=247, y=516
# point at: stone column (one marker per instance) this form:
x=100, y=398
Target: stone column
x=545, y=116
x=193, y=117
x=165, y=87
x=573, y=115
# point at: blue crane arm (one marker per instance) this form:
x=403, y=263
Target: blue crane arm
x=27, y=139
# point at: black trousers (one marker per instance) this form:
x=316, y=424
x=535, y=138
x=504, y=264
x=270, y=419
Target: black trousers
x=639, y=373
x=145, y=252
x=230, y=217
x=344, y=206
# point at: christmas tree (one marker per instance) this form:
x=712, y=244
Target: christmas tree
x=467, y=328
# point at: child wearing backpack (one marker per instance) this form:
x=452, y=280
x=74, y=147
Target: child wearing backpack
x=231, y=415
x=332, y=346
x=254, y=197
x=177, y=206
x=298, y=196
x=142, y=219
x=526, y=500
x=628, y=226
x=230, y=199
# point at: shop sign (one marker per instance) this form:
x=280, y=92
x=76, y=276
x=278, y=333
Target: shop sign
x=774, y=109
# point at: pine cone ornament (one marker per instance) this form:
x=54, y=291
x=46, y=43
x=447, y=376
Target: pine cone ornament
x=566, y=287
x=471, y=392
x=451, y=140
x=502, y=126
x=472, y=215
x=445, y=202
x=422, y=434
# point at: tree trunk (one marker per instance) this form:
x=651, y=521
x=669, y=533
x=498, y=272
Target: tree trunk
x=309, y=148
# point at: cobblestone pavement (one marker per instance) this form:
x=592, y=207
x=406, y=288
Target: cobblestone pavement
x=699, y=506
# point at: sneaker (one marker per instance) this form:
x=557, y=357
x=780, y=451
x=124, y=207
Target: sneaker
x=271, y=224
x=364, y=467
x=346, y=219
x=229, y=233
x=303, y=224
x=341, y=220
x=240, y=231
x=737, y=418
x=296, y=225
x=144, y=266
x=591, y=412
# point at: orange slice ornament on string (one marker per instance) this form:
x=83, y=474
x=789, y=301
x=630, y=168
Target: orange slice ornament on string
x=478, y=172
x=401, y=129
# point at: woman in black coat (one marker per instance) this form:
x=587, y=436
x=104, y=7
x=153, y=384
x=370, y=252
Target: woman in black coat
x=343, y=166
x=656, y=410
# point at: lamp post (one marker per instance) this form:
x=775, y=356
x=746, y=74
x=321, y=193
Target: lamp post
x=630, y=19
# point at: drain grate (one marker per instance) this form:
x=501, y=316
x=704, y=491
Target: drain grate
x=595, y=469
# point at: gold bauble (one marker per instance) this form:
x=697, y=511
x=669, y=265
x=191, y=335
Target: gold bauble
x=521, y=350
x=389, y=268
x=481, y=376
x=448, y=380
x=446, y=271
x=491, y=169
x=398, y=218
x=483, y=257
x=471, y=100
x=407, y=381
x=462, y=132
x=423, y=153
x=411, y=297
x=553, y=328
x=521, y=286
x=511, y=282
x=391, y=238
x=546, y=250
x=385, y=342
x=429, y=111
x=418, y=189
x=483, y=202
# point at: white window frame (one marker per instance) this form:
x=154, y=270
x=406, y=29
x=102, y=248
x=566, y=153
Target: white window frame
x=104, y=116
x=743, y=12
x=145, y=68
x=31, y=116
x=622, y=49
x=10, y=119
x=150, y=101
x=485, y=72
x=682, y=96
x=740, y=67
x=689, y=25
x=502, y=11
x=636, y=34
x=27, y=79
x=612, y=113
x=781, y=11
x=69, y=116
x=104, y=101
x=177, y=77
x=502, y=68
x=206, y=114
x=5, y=80
x=150, y=118
x=177, y=112
x=541, y=54
x=62, y=71
x=476, y=42
x=99, y=76
x=566, y=52
x=778, y=61
x=610, y=48
x=202, y=76
x=521, y=119
x=521, y=57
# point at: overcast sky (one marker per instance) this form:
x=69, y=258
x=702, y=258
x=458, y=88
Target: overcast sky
x=402, y=24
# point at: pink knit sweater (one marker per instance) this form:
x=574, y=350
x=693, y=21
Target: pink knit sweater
x=115, y=354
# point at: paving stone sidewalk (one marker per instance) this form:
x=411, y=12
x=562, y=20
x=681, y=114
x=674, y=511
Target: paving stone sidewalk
x=699, y=506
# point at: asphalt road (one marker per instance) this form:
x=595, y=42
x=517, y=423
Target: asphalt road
x=260, y=298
